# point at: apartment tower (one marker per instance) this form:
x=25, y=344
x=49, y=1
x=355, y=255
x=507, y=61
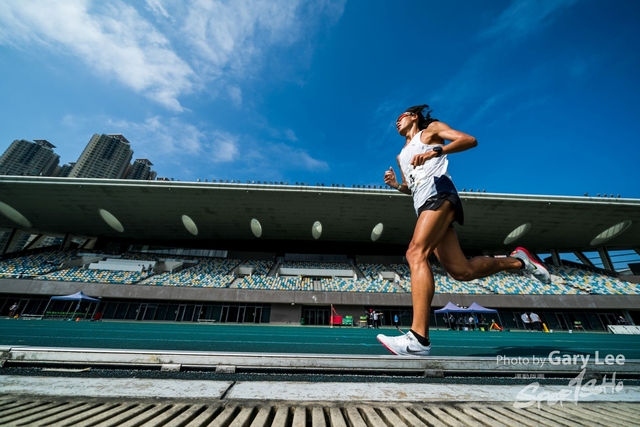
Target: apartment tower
x=105, y=156
x=29, y=158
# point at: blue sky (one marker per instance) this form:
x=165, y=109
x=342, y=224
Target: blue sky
x=309, y=90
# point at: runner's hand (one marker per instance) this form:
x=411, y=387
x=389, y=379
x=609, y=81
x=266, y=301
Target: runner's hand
x=390, y=178
x=421, y=159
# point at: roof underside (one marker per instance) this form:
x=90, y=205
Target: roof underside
x=151, y=213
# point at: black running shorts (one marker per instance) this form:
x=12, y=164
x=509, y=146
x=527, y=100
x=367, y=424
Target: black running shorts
x=433, y=203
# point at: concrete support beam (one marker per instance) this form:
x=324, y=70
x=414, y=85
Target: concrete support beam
x=555, y=256
x=86, y=243
x=35, y=241
x=606, y=260
x=12, y=241
x=7, y=243
x=586, y=261
x=66, y=242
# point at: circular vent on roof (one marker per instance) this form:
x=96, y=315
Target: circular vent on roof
x=611, y=232
x=14, y=215
x=316, y=230
x=517, y=233
x=256, y=228
x=111, y=220
x=377, y=232
x=190, y=225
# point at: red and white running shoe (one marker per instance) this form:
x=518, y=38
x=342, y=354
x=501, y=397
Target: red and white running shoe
x=532, y=266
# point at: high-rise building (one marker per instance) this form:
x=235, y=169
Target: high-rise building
x=29, y=158
x=141, y=169
x=64, y=170
x=105, y=156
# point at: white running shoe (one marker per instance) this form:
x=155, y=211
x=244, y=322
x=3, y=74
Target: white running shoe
x=404, y=345
x=532, y=266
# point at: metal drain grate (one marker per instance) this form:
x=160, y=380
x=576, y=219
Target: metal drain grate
x=121, y=413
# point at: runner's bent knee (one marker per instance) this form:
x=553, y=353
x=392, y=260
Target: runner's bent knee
x=460, y=273
x=417, y=253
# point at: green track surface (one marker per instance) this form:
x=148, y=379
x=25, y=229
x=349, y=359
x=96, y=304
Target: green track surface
x=301, y=339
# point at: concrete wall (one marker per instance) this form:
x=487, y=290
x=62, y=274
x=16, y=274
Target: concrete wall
x=345, y=302
x=166, y=266
x=286, y=313
x=79, y=262
x=315, y=272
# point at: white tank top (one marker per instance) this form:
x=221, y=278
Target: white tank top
x=429, y=179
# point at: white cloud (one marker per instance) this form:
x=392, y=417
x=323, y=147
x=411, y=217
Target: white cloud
x=156, y=7
x=180, y=141
x=229, y=39
x=188, y=151
x=524, y=17
x=69, y=120
x=467, y=96
x=161, y=137
x=276, y=133
x=290, y=135
x=488, y=104
x=235, y=95
x=223, y=147
x=295, y=158
x=111, y=37
x=230, y=35
x=221, y=43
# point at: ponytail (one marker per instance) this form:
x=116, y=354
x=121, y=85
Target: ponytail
x=424, y=115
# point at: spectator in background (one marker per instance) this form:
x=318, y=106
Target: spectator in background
x=526, y=320
x=452, y=322
x=472, y=323
x=622, y=320
x=13, y=309
x=482, y=322
x=536, y=322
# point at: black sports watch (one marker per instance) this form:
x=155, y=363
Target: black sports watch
x=438, y=149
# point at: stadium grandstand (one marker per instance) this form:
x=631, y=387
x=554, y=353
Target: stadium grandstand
x=285, y=253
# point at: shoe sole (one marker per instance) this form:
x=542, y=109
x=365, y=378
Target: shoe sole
x=385, y=346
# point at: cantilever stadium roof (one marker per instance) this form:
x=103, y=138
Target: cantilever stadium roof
x=151, y=212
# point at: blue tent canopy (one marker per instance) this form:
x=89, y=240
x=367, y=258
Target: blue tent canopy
x=473, y=308
x=477, y=308
x=78, y=296
x=452, y=308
